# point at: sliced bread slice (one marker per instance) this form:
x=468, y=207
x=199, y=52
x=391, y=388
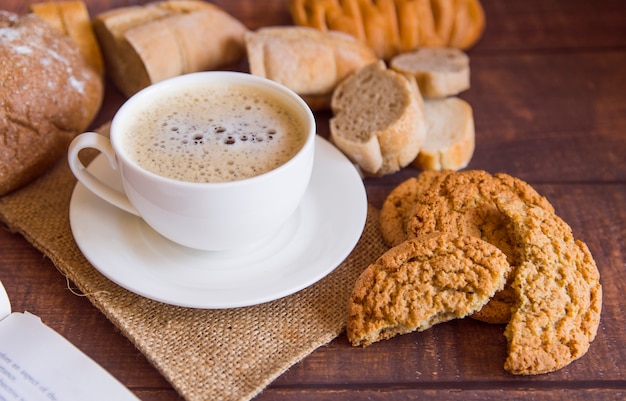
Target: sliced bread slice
x=378, y=120
x=449, y=143
x=439, y=71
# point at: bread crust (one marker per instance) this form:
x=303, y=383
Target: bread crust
x=146, y=44
x=440, y=71
x=310, y=62
x=124, y=65
x=391, y=27
x=378, y=119
x=49, y=95
x=71, y=17
x=450, y=135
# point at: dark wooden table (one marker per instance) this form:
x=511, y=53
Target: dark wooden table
x=549, y=98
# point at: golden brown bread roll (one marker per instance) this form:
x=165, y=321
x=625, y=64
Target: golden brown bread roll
x=48, y=95
x=391, y=27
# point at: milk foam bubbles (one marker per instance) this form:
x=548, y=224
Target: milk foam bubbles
x=216, y=133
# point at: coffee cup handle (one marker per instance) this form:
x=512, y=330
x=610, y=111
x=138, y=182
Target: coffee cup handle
x=92, y=183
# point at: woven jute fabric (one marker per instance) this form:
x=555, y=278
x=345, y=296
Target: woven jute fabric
x=226, y=354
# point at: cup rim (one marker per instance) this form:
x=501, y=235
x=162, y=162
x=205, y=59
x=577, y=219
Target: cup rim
x=287, y=95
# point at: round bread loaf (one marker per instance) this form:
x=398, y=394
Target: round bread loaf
x=48, y=94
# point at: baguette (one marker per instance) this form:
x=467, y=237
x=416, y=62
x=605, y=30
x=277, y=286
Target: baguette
x=439, y=71
x=391, y=27
x=72, y=19
x=378, y=119
x=306, y=60
x=449, y=143
x=146, y=44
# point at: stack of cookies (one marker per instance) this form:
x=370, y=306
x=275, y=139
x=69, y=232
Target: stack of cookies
x=487, y=246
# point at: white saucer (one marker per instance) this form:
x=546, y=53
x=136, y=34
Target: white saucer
x=318, y=237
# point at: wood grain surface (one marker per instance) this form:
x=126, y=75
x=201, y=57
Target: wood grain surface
x=549, y=96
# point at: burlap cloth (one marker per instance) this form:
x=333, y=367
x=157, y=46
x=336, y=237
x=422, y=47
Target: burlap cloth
x=229, y=354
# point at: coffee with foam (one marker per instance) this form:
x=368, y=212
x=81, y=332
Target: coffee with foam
x=215, y=133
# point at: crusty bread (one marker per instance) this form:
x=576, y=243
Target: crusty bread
x=391, y=27
x=49, y=12
x=378, y=119
x=48, y=95
x=469, y=24
x=439, y=71
x=181, y=6
x=306, y=60
x=124, y=65
x=449, y=143
x=72, y=18
x=146, y=44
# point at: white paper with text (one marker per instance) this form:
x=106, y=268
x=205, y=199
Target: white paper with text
x=38, y=364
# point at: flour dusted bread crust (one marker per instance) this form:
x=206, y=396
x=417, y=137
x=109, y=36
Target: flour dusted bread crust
x=146, y=44
x=391, y=27
x=378, y=119
x=439, y=71
x=48, y=95
x=308, y=61
x=422, y=282
x=450, y=135
x=72, y=18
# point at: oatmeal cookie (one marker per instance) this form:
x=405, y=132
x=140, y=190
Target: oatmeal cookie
x=421, y=282
x=557, y=288
x=464, y=203
x=400, y=202
x=498, y=309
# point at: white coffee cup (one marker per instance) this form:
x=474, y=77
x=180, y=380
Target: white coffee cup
x=203, y=215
